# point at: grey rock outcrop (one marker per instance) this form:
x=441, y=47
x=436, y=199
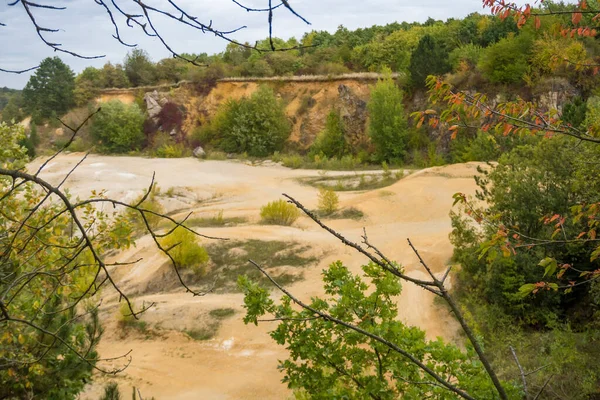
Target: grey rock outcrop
x=199, y=152
x=154, y=103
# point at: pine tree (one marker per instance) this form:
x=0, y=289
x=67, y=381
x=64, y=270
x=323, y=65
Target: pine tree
x=50, y=89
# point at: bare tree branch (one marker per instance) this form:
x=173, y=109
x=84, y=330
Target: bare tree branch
x=523, y=379
x=144, y=21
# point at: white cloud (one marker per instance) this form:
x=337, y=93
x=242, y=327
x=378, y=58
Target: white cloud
x=85, y=27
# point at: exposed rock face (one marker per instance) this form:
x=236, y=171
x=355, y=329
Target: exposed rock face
x=154, y=103
x=353, y=112
x=555, y=93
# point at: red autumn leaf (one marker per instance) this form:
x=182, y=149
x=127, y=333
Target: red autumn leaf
x=538, y=22
x=576, y=17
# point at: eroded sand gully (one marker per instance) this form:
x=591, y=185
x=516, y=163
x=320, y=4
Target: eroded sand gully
x=240, y=362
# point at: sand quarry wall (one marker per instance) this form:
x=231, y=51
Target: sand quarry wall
x=307, y=101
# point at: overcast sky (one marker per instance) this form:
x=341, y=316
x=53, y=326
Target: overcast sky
x=85, y=27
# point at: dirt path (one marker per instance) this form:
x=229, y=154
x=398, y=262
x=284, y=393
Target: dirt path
x=240, y=362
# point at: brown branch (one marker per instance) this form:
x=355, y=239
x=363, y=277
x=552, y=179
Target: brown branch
x=463, y=323
x=543, y=387
x=383, y=264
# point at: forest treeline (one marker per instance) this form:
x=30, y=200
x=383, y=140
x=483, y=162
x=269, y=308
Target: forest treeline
x=477, y=50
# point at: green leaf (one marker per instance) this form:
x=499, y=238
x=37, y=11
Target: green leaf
x=526, y=289
x=550, y=266
x=595, y=254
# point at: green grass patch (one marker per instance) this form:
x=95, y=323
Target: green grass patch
x=344, y=183
x=222, y=312
x=127, y=322
x=230, y=259
x=214, y=221
x=348, y=213
x=204, y=333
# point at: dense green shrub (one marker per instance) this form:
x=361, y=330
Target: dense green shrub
x=529, y=182
x=592, y=116
x=31, y=141
x=12, y=112
x=506, y=61
x=465, y=56
x=483, y=147
x=574, y=112
x=331, y=141
x=182, y=245
x=256, y=125
x=279, y=212
x=388, y=126
x=118, y=127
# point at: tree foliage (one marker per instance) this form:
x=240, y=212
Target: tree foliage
x=139, y=68
x=331, y=141
x=430, y=57
x=50, y=89
x=328, y=360
x=388, y=125
x=530, y=185
x=506, y=61
x=47, y=349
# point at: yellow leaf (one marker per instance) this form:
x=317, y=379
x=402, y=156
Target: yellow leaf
x=21, y=339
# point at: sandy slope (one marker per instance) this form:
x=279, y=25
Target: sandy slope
x=240, y=363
